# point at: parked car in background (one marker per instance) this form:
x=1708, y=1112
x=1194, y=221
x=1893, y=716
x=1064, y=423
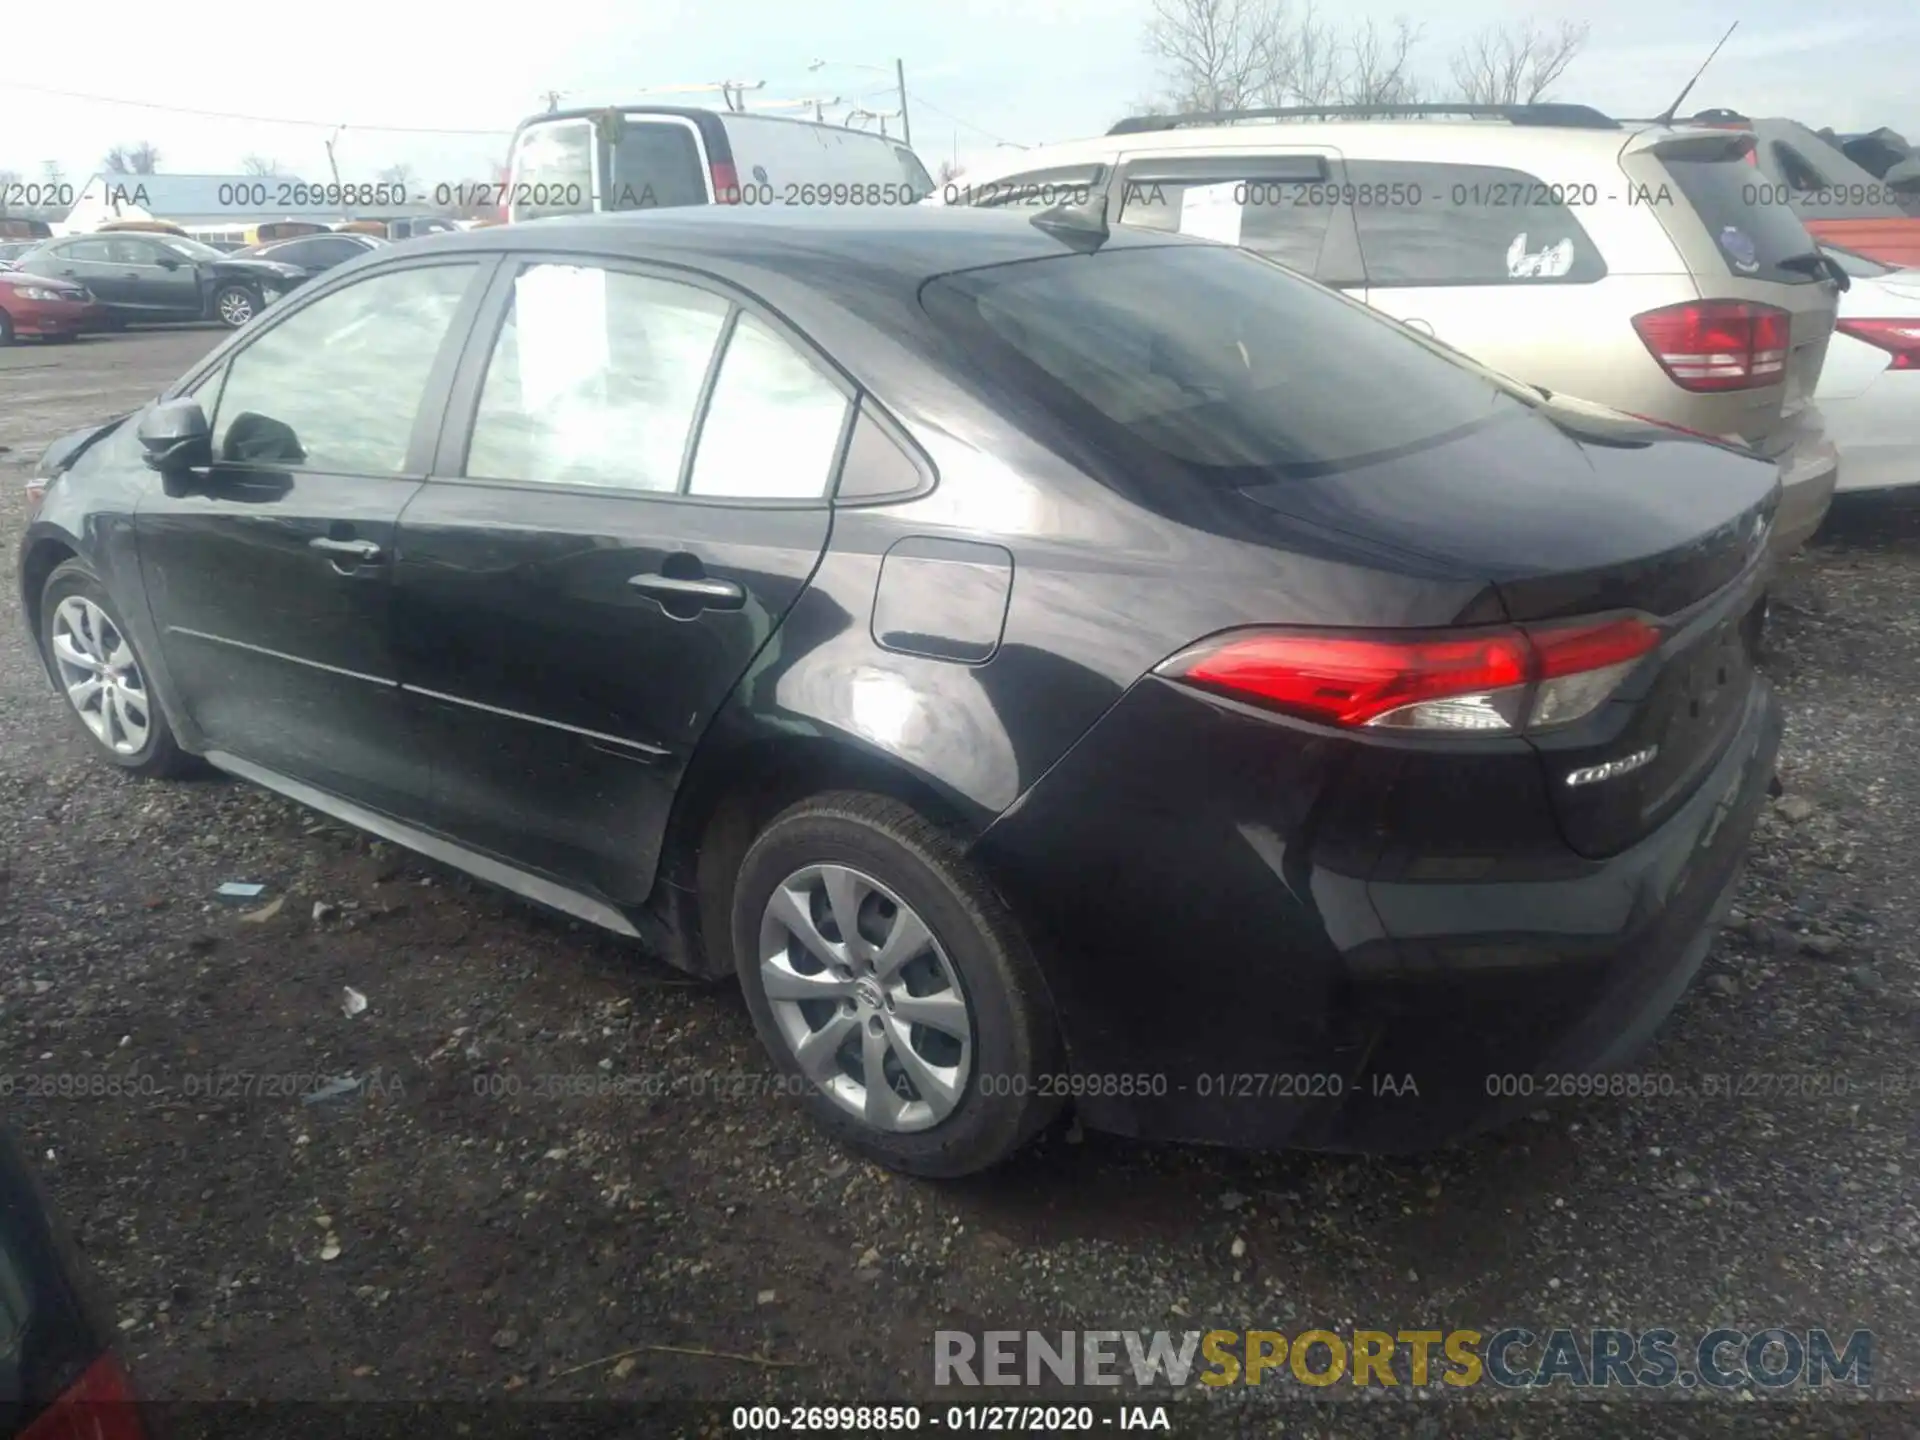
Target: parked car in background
x=1838, y=200
x=1870, y=386
x=148, y=277
x=12, y=250
x=641, y=157
x=59, y=1379
x=37, y=307
x=1622, y=263
x=796, y=558
x=316, y=254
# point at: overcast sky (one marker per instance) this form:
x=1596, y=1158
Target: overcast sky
x=979, y=72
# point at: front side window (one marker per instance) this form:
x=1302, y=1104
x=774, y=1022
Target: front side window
x=1286, y=220
x=772, y=431
x=337, y=384
x=594, y=380
x=1440, y=224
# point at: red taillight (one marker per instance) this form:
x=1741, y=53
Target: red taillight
x=726, y=183
x=1712, y=345
x=1899, y=338
x=97, y=1406
x=1495, y=680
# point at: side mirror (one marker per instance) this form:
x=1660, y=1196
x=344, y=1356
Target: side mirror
x=176, y=436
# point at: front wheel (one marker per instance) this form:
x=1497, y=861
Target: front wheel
x=892, y=986
x=104, y=676
x=235, y=305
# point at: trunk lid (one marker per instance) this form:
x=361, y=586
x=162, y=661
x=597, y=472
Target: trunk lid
x=1579, y=511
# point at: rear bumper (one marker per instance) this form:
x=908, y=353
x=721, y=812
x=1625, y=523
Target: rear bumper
x=1809, y=472
x=1225, y=970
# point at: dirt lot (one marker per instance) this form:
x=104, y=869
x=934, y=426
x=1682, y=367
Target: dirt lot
x=455, y=1230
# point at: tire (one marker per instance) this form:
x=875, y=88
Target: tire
x=72, y=606
x=6, y=329
x=901, y=867
x=234, y=305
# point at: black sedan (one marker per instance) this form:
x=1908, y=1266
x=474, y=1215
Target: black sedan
x=316, y=253
x=58, y=1376
x=975, y=634
x=143, y=277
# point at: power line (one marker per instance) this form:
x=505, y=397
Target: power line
x=921, y=99
x=250, y=119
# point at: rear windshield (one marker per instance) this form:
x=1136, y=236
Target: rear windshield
x=655, y=164
x=552, y=170
x=1754, y=228
x=1213, y=361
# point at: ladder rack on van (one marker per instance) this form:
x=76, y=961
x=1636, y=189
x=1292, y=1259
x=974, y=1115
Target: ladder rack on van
x=1583, y=117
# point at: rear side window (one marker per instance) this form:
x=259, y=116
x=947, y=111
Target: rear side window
x=1191, y=362
x=595, y=379
x=653, y=164
x=1439, y=224
x=773, y=428
x=1753, y=236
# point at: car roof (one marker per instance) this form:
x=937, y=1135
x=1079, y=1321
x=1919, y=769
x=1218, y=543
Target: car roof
x=908, y=244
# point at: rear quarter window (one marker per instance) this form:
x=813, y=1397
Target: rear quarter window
x=1443, y=224
x=1752, y=230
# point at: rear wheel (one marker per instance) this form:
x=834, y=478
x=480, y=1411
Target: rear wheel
x=892, y=986
x=103, y=675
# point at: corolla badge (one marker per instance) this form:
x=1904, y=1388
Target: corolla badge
x=1589, y=774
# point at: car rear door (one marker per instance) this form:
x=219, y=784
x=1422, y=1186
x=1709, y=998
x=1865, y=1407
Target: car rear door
x=631, y=491
x=1289, y=203
x=269, y=575
x=155, y=278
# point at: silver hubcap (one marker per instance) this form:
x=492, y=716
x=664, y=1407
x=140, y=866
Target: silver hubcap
x=236, y=307
x=865, y=998
x=101, y=677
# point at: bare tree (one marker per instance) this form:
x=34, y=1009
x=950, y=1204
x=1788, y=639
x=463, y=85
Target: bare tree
x=52, y=175
x=401, y=174
x=9, y=183
x=1515, y=67
x=947, y=172
x=141, y=159
x=259, y=165
x=1379, y=66
x=1218, y=54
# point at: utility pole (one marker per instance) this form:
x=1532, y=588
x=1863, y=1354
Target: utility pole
x=900, y=75
x=552, y=97
x=333, y=163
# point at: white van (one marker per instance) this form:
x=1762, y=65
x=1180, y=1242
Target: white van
x=638, y=157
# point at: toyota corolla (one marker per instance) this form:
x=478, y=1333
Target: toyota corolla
x=1044, y=665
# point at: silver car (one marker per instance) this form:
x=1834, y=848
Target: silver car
x=1633, y=265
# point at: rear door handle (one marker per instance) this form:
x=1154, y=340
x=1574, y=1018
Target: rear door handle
x=362, y=550
x=677, y=594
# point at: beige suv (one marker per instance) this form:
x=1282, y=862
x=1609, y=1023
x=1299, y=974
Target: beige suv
x=1629, y=264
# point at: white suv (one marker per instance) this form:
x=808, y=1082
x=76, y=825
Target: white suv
x=1628, y=264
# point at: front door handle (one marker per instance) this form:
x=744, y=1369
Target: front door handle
x=362, y=550
x=674, y=593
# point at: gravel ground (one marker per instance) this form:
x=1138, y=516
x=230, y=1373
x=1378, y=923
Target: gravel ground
x=452, y=1231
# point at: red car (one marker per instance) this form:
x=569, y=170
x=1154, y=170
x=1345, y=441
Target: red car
x=39, y=305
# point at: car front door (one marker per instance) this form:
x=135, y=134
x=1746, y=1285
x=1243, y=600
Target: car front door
x=632, y=491
x=156, y=279
x=270, y=574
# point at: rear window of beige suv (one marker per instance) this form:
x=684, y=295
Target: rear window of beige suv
x=1753, y=239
